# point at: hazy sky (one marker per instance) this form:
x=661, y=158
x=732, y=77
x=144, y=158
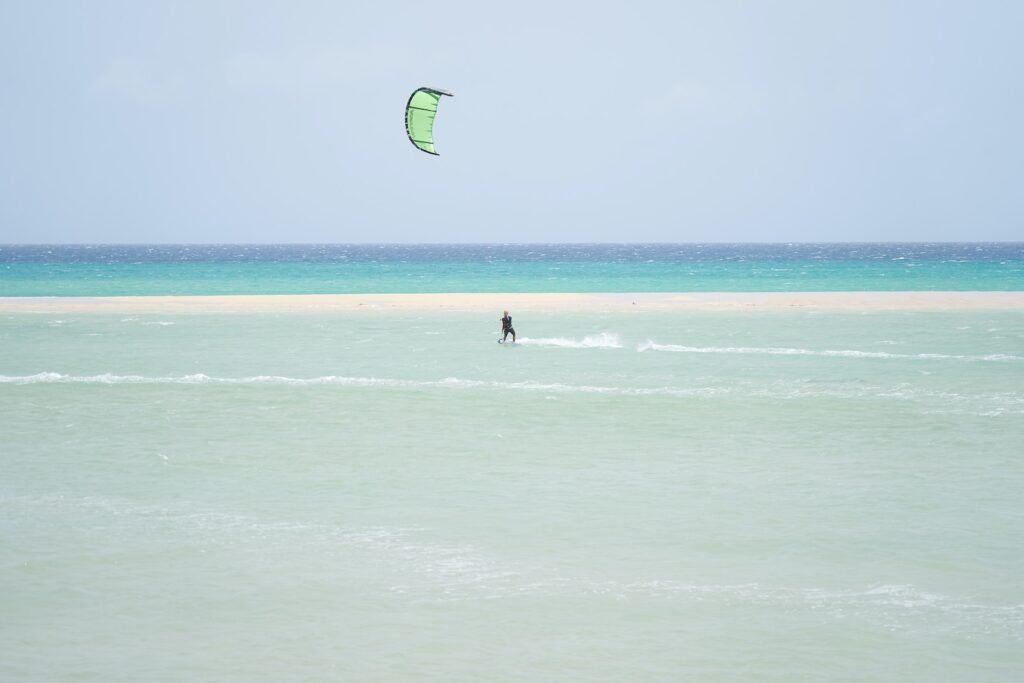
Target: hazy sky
x=572, y=121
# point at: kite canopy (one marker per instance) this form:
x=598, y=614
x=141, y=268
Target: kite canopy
x=419, y=117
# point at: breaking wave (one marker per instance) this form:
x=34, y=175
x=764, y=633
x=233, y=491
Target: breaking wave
x=828, y=353
x=929, y=400
x=340, y=380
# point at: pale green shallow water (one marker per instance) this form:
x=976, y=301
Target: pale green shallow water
x=378, y=496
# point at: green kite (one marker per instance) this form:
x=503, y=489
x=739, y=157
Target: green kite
x=419, y=117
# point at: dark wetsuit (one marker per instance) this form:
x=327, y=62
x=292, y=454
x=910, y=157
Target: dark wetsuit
x=506, y=328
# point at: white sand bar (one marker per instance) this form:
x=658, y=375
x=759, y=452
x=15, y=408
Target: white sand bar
x=491, y=303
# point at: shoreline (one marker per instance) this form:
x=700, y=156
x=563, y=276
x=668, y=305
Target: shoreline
x=535, y=302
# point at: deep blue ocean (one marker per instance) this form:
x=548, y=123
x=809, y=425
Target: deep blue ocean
x=138, y=270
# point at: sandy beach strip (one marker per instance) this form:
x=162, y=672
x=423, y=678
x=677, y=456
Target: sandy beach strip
x=548, y=302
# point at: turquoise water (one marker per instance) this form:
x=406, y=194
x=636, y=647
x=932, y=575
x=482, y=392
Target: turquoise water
x=378, y=496
x=334, y=269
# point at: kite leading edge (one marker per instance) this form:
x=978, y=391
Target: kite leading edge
x=420, y=111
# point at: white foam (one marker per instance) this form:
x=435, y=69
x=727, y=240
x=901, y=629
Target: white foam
x=828, y=353
x=986, y=404
x=999, y=357
x=37, y=378
x=605, y=340
x=338, y=380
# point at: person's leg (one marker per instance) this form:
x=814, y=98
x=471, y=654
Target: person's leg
x=512, y=330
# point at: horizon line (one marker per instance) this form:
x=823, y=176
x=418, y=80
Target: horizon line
x=493, y=244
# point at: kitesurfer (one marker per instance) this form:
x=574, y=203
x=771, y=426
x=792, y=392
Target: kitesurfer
x=506, y=328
